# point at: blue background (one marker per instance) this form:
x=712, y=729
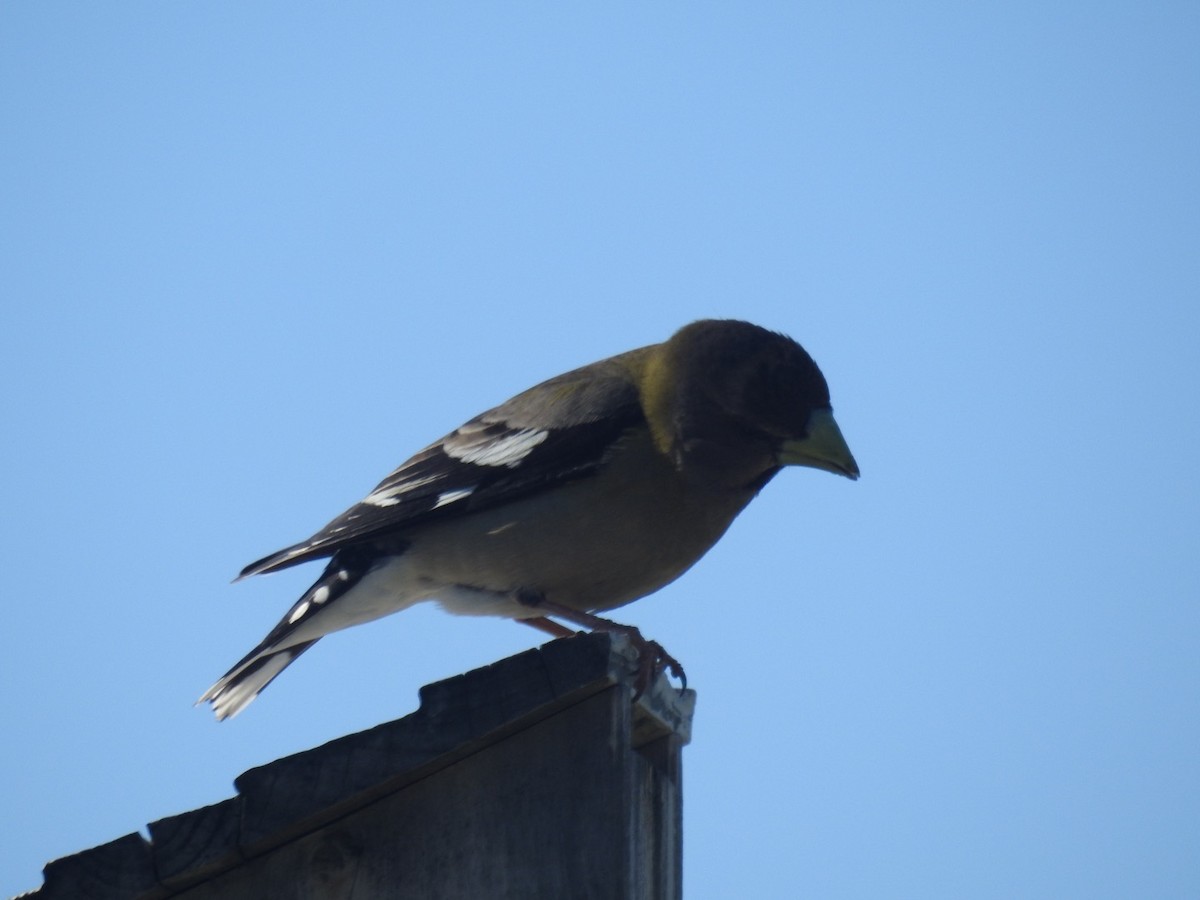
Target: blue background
x=255, y=254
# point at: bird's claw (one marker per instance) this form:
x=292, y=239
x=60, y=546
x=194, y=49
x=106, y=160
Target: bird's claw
x=653, y=659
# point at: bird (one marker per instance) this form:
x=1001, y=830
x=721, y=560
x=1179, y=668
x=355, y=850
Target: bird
x=575, y=497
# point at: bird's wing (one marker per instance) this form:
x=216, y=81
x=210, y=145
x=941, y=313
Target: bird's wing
x=558, y=431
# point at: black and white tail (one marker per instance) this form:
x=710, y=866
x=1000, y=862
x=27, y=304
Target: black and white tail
x=245, y=681
x=295, y=633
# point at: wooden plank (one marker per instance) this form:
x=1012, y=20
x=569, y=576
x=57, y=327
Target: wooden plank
x=534, y=776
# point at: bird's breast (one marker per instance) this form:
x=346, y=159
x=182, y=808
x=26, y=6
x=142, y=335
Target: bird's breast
x=593, y=544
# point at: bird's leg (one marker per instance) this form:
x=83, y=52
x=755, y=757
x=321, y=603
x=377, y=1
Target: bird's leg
x=541, y=623
x=652, y=658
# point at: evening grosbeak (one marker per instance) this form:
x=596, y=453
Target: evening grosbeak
x=579, y=495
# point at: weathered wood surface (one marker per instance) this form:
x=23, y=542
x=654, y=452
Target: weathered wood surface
x=532, y=777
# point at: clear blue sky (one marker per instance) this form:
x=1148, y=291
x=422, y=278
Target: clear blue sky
x=253, y=255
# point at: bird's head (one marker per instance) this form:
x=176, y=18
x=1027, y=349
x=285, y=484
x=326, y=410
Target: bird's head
x=733, y=402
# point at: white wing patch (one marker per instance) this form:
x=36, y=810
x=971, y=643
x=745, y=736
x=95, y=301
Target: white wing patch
x=390, y=495
x=470, y=445
x=508, y=450
x=451, y=496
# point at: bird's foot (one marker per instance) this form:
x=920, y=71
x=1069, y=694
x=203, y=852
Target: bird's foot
x=652, y=658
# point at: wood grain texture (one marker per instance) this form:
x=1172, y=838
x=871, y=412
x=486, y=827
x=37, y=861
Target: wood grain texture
x=533, y=777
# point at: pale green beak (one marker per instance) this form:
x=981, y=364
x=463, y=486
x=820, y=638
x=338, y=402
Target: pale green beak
x=824, y=448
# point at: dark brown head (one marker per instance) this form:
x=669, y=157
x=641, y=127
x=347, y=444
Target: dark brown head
x=733, y=402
